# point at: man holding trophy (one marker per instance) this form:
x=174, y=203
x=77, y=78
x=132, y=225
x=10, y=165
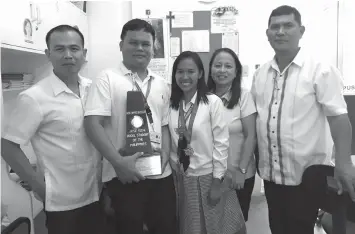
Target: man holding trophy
x=126, y=119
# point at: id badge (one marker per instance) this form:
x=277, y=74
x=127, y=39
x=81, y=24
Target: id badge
x=155, y=137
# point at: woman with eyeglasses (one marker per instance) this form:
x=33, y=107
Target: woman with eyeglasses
x=199, y=152
x=224, y=79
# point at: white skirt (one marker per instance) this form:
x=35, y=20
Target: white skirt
x=196, y=216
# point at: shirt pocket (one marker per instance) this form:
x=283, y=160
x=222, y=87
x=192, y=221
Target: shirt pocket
x=304, y=94
x=67, y=116
x=58, y=122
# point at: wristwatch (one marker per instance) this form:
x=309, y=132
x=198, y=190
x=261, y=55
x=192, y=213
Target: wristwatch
x=242, y=170
x=219, y=178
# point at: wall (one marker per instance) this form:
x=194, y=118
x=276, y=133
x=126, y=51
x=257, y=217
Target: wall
x=346, y=46
x=319, y=17
x=105, y=19
x=347, y=58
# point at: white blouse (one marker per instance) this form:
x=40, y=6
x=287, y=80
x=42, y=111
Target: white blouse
x=244, y=108
x=209, y=138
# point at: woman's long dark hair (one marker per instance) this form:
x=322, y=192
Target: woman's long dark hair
x=236, y=84
x=176, y=92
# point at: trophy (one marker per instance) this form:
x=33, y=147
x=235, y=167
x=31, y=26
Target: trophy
x=138, y=136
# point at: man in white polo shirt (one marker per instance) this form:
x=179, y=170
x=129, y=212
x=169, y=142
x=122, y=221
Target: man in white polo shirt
x=135, y=199
x=50, y=115
x=300, y=107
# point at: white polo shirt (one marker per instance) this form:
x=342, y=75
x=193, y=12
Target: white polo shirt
x=209, y=139
x=244, y=108
x=50, y=116
x=292, y=127
x=108, y=97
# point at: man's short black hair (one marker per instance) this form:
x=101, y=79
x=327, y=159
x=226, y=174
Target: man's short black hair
x=137, y=25
x=286, y=10
x=64, y=28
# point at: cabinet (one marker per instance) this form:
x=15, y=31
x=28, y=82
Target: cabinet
x=73, y=16
x=25, y=24
x=13, y=15
x=21, y=54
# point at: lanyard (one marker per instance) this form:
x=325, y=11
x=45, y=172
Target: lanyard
x=182, y=120
x=148, y=90
x=188, y=113
x=148, y=111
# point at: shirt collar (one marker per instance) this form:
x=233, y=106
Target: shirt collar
x=126, y=72
x=227, y=95
x=192, y=101
x=58, y=86
x=298, y=60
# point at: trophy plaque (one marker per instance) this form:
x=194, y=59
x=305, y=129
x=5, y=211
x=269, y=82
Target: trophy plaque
x=138, y=137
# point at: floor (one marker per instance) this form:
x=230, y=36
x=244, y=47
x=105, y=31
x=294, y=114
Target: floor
x=258, y=215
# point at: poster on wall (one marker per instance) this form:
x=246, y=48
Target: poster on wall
x=224, y=19
x=159, y=37
x=231, y=40
x=158, y=64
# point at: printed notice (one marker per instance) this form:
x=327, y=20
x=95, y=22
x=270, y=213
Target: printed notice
x=224, y=19
x=159, y=67
x=182, y=19
x=231, y=40
x=174, y=46
x=196, y=40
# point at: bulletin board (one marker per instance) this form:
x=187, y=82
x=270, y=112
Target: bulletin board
x=201, y=21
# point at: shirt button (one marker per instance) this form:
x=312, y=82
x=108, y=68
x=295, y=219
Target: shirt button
x=274, y=146
x=274, y=117
x=275, y=103
x=273, y=131
x=275, y=160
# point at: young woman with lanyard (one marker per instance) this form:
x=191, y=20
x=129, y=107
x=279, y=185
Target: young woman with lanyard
x=199, y=151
